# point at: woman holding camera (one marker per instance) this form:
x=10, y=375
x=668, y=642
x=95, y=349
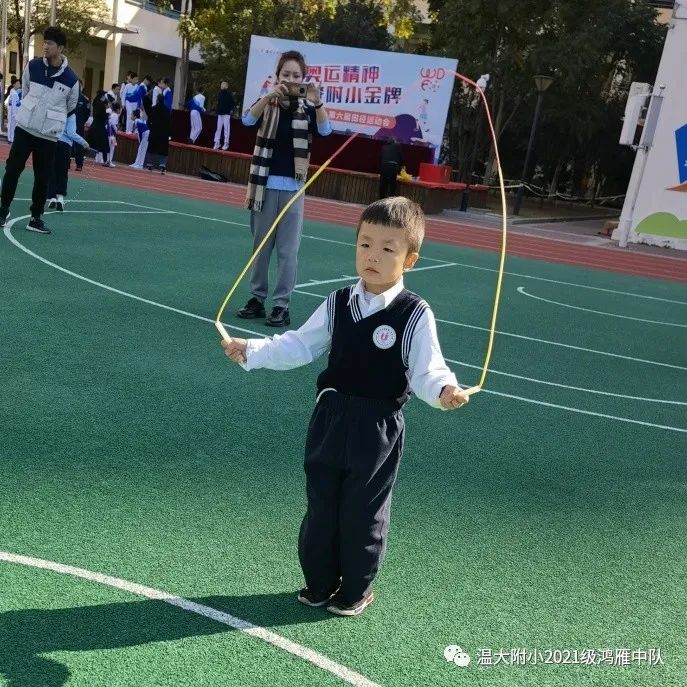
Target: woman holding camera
x=288, y=116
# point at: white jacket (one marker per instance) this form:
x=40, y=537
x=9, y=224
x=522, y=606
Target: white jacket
x=47, y=100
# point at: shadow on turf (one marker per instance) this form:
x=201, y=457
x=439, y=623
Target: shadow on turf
x=27, y=634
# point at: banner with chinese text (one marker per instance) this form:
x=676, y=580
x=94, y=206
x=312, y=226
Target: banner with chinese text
x=373, y=92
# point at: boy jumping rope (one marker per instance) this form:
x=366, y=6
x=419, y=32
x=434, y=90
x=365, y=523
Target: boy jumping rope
x=383, y=345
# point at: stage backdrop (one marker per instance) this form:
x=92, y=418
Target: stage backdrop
x=370, y=91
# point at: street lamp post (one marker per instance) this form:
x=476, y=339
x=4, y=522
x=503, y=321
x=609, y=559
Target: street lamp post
x=542, y=83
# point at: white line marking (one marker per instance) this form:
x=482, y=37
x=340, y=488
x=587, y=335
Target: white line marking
x=77, y=200
x=521, y=290
x=586, y=412
x=526, y=276
x=543, y=341
x=8, y=234
x=572, y=388
x=350, y=278
x=187, y=214
x=351, y=244
x=255, y=631
x=456, y=264
x=109, y=212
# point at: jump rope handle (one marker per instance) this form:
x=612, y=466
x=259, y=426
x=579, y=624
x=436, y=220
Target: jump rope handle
x=471, y=390
x=223, y=332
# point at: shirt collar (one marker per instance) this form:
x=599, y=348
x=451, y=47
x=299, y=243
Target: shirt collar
x=60, y=69
x=386, y=297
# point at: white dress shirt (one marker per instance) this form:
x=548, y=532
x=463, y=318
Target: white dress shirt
x=427, y=371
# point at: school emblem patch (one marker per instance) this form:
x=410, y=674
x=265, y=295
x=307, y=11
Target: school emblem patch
x=384, y=336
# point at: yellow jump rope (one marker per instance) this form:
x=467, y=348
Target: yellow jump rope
x=492, y=330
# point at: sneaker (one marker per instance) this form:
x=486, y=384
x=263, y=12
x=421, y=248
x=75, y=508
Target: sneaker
x=225, y=147
x=51, y=204
x=149, y=168
x=163, y=170
x=215, y=147
x=38, y=225
x=305, y=596
x=252, y=310
x=59, y=205
x=339, y=607
x=279, y=317
x=4, y=216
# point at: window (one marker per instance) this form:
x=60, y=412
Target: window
x=170, y=8
x=14, y=61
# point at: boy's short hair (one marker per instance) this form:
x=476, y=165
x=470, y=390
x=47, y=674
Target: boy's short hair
x=116, y=107
x=115, y=85
x=55, y=34
x=399, y=212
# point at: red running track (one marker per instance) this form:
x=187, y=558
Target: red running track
x=454, y=233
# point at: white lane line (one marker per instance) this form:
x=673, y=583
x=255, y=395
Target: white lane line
x=543, y=341
x=446, y=262
x=77, y=200
x=8, y=234
x=571, y=346
x=110, y=212
x=256, y=631
x=350, y=278
x=521, y=290
x=572, y=388
x=351, y=244
x=542, y=381
x=526, y=276
x=587, y=412
x=188, y=214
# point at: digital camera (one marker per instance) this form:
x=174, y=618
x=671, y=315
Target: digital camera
x=297, y=90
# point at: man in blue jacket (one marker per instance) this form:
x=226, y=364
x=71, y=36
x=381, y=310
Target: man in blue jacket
x=50, y=91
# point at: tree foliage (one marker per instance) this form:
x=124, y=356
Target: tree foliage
x=592, y=49
x=358, y=24
x=222, y=28
x=76, y=17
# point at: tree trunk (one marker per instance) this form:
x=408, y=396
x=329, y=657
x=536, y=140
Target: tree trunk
x=553, y=186
x=185, y=58
x=20, y=36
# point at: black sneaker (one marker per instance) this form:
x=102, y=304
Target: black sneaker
x=305, y=596
x=59, y=205
x=38, y=225
x=339, y=607
x=149, y=168
x=252, y=310
x=163, y=170
x=4, y=216
x=279, y=317
x=51, y=204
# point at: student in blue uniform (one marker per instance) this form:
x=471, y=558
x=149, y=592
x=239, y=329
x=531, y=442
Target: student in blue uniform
x=196, y=105
x=382, y=345
x=142, y=131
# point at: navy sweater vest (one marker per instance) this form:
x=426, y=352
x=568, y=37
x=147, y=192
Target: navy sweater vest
x=369, y=357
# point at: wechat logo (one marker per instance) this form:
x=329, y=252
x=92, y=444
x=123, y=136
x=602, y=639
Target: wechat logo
x=454, y=654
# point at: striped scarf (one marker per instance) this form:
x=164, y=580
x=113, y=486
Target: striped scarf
x=262, y=153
